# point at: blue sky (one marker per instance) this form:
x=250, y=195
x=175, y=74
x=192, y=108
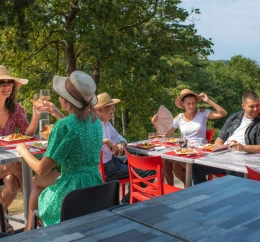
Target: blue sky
x=233, y=25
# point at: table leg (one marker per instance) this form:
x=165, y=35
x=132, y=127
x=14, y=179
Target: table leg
x=27, y=187
x=188, y=174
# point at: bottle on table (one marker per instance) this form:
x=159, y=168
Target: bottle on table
x=44, y=120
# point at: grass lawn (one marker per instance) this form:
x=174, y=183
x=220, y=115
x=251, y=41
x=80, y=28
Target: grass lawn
x=17, y=205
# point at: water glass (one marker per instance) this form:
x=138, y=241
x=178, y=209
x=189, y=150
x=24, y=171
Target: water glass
x=181, y=142
x=163, y=140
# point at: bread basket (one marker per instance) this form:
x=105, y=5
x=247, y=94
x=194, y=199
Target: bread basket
x=45, y=134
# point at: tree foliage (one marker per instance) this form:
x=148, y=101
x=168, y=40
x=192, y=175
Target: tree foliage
x=138, y=51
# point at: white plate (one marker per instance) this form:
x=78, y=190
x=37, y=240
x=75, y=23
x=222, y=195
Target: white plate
x=194, y=152
x=42, y=145
x=23, y=138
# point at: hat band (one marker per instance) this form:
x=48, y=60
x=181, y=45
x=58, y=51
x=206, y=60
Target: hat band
x=73, y=91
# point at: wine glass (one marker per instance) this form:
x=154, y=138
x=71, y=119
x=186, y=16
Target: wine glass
x=163, y=138
x=44, y=95
x=36, y=103
x=151, y=135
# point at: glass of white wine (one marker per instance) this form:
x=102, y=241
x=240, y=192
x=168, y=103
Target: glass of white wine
x=45, y=95
x=37, y=102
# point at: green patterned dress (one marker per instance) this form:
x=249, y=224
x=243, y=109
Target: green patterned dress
x=75, y=145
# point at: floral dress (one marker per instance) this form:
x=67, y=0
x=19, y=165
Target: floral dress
x=75, y=145
x=18, y=119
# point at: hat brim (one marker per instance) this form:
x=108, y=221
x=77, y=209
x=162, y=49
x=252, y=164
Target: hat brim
x=114, y=101
x=19, y=81
x=178, y=101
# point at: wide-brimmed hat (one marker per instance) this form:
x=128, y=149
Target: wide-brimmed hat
x=185, y=92
x=4, y=74
x=105, y=100
x=75, y=88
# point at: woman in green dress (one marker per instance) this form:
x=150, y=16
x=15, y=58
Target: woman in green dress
x=74, y=143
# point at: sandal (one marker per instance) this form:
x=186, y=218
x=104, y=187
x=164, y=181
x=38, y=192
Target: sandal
x=9, y=228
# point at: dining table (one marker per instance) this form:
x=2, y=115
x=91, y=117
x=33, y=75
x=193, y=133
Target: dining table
x=8, y=154
x=223, y=209
x=101, y=226
x=224, y=158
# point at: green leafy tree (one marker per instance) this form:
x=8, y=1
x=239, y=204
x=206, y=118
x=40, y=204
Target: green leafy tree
x=129, y=47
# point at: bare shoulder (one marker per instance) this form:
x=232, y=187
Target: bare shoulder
x=202, y=110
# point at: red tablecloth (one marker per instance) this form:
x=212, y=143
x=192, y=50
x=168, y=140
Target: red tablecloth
x=196, y=156
x=9, y=144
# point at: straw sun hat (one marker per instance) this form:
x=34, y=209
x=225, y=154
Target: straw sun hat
x=76, y=87
x=105, y=100
x=185, y=92
x=4, y=75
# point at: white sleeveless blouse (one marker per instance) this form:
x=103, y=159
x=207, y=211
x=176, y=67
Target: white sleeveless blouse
x=194, y=129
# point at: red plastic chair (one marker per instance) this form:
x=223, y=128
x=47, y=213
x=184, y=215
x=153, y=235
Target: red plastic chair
x=209, y=138
x=103, y=175
x=253, y=174
x=153, y=189
x=209, y=135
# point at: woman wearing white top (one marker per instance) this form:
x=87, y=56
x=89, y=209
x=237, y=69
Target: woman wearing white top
x=192, y=124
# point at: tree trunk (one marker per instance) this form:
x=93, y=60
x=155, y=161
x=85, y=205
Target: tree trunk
x=71, y=60
x=124, y=125
x=96, y=74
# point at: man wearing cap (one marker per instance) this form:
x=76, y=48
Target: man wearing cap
x=241, y=131
x=113, y=143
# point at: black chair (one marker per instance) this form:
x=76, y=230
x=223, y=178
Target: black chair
x=87, y=200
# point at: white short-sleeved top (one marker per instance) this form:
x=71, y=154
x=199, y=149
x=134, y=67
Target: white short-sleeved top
x=194, y=129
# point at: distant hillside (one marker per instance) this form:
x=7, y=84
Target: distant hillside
x=224, y=61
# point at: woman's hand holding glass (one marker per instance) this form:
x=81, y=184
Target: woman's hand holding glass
x=37, y=104
x=45, y=95
x=53, y=110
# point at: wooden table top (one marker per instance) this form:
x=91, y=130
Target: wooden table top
x=104, y=225
x=224, y=209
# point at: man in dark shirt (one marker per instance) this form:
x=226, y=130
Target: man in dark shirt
x=241, y=132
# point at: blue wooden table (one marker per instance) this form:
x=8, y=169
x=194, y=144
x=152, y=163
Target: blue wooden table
x=225, y=209
x=101, y=226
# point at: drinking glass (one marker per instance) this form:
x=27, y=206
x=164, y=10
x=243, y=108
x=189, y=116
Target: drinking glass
x=44, y=95
x=181, y=142
x=36, y=103
x=151, y=135
x=43, y=123
x=228, y=145
x=163, y=140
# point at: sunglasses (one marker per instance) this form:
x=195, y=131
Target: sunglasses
x=4, y=83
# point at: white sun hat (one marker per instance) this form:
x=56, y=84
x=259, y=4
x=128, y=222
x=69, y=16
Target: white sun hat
x=76, y=88
x=4, y=74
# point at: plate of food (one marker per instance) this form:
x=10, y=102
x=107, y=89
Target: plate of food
x=213, y=147
x=186, y=151
x=39, y=145
x=15, y=137
x=172, y=140
x=146, y=145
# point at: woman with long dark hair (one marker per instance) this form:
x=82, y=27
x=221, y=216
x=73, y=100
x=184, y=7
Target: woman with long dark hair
x=12, y=117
